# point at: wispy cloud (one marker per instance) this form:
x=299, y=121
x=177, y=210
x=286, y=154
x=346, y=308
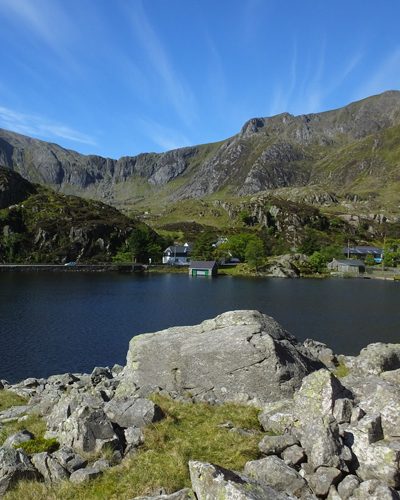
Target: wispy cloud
x=40, y=127
x=164, y=137
x=36, y=16
x=385, y=77
x=46, y=22
x=252, y=19
x=282, y=97
x=177, y=90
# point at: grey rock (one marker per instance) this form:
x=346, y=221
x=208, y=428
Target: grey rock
x=185, y=494
x=346, y=487
x=67, y=405
x=294, y=455
x=385, y=400
x=378, y=460
x=275, y=473
x=85, y=475
x=342, y=410
x=356, y=414
x=210, y=482
x=323, y=478
x=134, y=437
x=62, y=381
x=322, y=443
x=15, y=466
x=274, y=445
x=374, y=490
x=128, y=412
x=51, y=470
x=317, y=428
x=237, y=355
x=101, y=464
x=87, y=430
x=322, y=352
x=392, y=376
x=116, y=370
x=69, y=460
x=13, y=413
x=371, y=425
x=99, y=374
x=345, y=454
x=20, y=437
x=278, y=416
x=377, y=358
x=333, y=494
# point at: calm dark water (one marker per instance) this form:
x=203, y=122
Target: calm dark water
x=54, y=323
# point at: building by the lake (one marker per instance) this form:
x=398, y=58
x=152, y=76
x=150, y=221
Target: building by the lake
x=203, y=268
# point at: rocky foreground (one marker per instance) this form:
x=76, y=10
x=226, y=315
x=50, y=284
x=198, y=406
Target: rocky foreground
x=326, y=438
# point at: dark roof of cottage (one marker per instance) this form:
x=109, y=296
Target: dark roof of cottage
x=202, y=264
x=361, y=250
x=350, y=262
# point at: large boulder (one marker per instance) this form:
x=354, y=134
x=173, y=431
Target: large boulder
x=377, y=358
x=376, y=395
x=15, y=466
x=87, y=430
x=316, y=426
x=51, y=470
x=128, y=412
x=275, y=473
x=210, y=482
x=237, y=356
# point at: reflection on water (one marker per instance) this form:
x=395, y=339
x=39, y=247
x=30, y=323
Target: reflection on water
x=54, y=323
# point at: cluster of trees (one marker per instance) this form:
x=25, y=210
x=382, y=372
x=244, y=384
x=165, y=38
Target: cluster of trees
x=247, y=247
x=142, y=245
x=391, y=252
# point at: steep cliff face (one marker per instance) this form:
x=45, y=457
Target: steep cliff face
x=351, y=148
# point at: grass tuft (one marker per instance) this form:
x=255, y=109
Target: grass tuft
x=9, y=399
x=39, y=445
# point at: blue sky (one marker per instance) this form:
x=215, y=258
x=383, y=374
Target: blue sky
x=120, y=77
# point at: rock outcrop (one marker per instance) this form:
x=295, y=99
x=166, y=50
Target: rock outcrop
x=334, y=439
x=239, y=356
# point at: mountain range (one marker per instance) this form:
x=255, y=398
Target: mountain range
x=351, y=152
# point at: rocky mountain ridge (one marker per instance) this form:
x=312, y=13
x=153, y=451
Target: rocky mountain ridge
x=354, y=149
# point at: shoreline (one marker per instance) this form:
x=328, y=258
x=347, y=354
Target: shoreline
x=162, y=269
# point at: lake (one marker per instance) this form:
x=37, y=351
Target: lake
x=70, y=322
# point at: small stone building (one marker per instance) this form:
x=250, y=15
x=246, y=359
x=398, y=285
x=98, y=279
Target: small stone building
x=203, y=268
x=352, y=266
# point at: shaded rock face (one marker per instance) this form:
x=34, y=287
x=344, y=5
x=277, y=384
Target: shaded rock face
x=13, y=188
x=15, y=466
x=238, y=356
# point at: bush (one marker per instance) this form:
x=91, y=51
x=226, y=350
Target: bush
x=39, y=445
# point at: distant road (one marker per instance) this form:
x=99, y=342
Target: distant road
x=74, y=268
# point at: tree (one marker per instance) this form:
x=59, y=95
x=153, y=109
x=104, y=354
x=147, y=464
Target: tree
x=255, y=253
x=203, y=246
x=317, y=262
x=369, y=260
x=141, y=245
